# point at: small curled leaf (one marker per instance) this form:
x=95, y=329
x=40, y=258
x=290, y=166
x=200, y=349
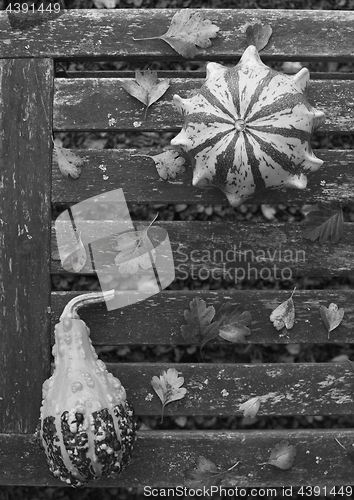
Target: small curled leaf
x=258, y=35
x=250, y=408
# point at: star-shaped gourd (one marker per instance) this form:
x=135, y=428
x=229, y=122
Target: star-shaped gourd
x=248, y=129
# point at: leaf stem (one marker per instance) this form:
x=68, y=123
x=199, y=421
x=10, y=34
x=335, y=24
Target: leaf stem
x=340, y=444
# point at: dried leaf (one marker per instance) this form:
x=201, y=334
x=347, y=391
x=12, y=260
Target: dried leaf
x=324, y=225
x=135, y=250
x=168, y=387
x=284, y=315
x=188, y=30
x=282, y=456
x=205, y=474
x=258, y=35
x=74, y=256
x=168, y=164
x=146, y=87
x=332, y=317
x=232, y=323
x=69, y=163
x=199, y=318
x=250, y=408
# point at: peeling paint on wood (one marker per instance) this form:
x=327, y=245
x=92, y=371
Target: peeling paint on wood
x=25, y=155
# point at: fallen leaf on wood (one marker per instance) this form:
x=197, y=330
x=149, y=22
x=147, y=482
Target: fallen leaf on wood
x=233, y=323
x=250, y=408
x=284, y=315
x=168, y=387
x=258, y=35
x=324, y=225
x=188, y=30
x=135, y=250
x=199, y=318
x=332, y=317
x=168, y=164
x=146, y=87
x=282, y=456
x=205, y=474
x=69, y=163
x=72, y=256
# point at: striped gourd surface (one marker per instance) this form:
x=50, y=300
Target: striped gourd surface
x=248, y=129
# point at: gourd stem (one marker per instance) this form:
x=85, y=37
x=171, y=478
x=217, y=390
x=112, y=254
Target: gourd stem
x=70, y=310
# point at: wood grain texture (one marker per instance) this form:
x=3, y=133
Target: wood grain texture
x=237, y=251
x=297, y=34
x=103, y=104
x=25, y=159
x=109, y=169
x=160, y=458
x=157, y=319
x=218, y=389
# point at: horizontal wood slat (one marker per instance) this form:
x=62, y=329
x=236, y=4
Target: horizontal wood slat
x=103, y=104
x=157, y=319
x=108, y=169
x=101, y=34
x=219, y=389
x=161, y=457
x=238, y=250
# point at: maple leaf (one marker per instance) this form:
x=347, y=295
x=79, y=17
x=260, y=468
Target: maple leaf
x=332, y=317
x=199, y=318
x=250, y=408
x=69, y=163
x=282, y=456
x=284, y=314
x=258, y=35
x=168, y=387
x=188, y=30
x=135, y=250
x=205, y=474
x=324, y=225
x=146, y=87
x=168, y=164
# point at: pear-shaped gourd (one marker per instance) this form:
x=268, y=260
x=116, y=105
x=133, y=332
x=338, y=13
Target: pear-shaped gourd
x=248, y=129
x=86, y=427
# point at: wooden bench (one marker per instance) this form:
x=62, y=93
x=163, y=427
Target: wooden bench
x=34, y=103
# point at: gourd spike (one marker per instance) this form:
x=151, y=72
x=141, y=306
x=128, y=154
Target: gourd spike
x=302, y=79
x=179, y=103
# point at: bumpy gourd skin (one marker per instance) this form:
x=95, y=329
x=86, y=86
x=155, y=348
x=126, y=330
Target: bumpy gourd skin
x=248, y=129
x=86, y=427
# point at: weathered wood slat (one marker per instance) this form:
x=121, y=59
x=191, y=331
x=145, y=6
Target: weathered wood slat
x=157, y=319
x=105, y=170
x=239, y=250
x=219, y=389
x=25, y=184
x=103, y=104
x=100, y=34
x=319, y=459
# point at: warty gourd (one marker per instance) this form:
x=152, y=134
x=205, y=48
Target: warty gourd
x=86, y=425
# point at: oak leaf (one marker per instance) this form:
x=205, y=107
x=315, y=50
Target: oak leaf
x=258, y=35
x=282, y=456
x=205, y=474
x=324, y=225
x=146, y=87
x=331, y=316
x=284, y=314
x=168, y=387
x=188, y=30
x=199, y=318
x=69, y=163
